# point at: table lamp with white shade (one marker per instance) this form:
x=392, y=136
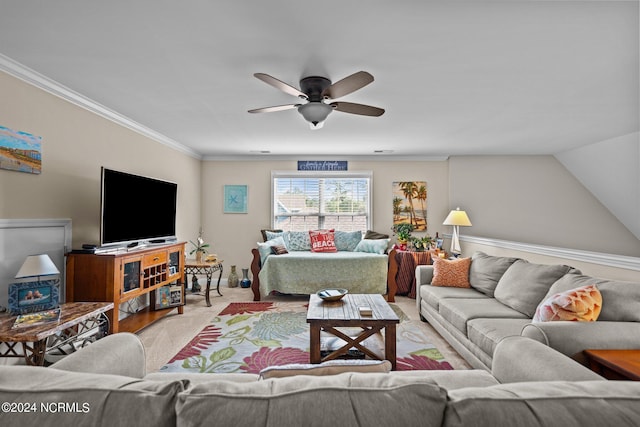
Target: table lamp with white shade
x=456, y=218
x=37, y=266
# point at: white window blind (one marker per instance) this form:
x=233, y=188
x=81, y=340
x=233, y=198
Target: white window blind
x=321, y=200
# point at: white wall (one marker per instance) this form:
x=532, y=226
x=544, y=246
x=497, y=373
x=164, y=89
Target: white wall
x=611, y=171
x=75, y=144
x=233, y=235
x=534, y=199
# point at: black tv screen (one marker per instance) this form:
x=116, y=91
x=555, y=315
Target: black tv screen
x=136, y=208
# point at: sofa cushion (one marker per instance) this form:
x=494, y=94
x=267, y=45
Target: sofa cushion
x=374, y=235
x=525, y=284
x=374, y=246
x=298, y=241
x=270, y=234
x=332, y=367
x=265, y=248
x=620, y=300
x=353, y=399
x=552, y=403
x=433, y=294
x=322, y=240
x=486, y=271
x=347, y=240
x=579, y=304
x=486, y=333
x=458, y=311
x=452, y=273
x=92, y=399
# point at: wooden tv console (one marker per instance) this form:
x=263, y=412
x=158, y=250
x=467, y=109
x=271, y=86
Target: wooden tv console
x=122, y=276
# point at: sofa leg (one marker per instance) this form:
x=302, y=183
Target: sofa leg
x=423, y=319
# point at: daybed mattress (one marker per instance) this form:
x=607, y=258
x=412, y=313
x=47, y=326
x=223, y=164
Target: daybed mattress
x=308, y=272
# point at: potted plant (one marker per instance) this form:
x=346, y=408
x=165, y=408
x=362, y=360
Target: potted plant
x=403, y=234
x=421, y=244
x=200, y=248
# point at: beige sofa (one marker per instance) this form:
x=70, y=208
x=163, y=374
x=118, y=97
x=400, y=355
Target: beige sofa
x=105, y=384
x=502, y=300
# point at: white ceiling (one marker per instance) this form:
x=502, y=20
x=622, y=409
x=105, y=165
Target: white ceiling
x=455, y=78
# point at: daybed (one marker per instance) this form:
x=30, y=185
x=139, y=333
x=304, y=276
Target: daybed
x=499, y=298
x=358, y=265
x=105, y=384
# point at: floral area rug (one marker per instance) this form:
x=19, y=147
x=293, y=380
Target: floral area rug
x=250, y=336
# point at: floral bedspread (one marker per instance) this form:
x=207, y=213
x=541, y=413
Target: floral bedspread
x=308, y=272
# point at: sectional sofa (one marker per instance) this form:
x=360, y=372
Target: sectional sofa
x=105, y=384
x=500, y=300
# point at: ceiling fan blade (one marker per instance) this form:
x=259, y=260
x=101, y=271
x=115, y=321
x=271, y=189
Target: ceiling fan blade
x=280, y=85
x=348, y=84
x=274, y=108
x=361, y=109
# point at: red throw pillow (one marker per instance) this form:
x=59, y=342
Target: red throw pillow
x=322, y=241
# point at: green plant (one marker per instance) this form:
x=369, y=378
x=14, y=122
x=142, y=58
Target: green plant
x=421, y=243
x=200, y=246
x=403, y=231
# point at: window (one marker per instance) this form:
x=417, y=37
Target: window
x=315, y=200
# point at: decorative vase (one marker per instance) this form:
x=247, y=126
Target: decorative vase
x=232, y=280
x=198, y=257
x=245, y=283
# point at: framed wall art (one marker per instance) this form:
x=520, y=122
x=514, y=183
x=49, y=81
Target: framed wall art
x=29, y=297
x=20, y=151
x=235, y=198
x=410, y=204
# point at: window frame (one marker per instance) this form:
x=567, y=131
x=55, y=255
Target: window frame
x=323, y=175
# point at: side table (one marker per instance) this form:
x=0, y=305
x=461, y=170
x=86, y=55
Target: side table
x=76, y=318
x=193, y=267
x=615, y=364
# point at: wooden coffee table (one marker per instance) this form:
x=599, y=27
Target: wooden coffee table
x=327, y=316
x=615, y=364
x=75, y=318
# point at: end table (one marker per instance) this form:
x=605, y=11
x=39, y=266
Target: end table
x=193, y=267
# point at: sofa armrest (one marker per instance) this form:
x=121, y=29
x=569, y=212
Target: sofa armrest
x=424, y=275
x=118, y=354
x=520, y=359
x=571, y=338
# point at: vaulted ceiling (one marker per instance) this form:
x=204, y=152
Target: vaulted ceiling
x=455, y=78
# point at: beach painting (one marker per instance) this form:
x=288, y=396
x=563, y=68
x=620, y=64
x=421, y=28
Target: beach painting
x=410, y=204
x=20, y=151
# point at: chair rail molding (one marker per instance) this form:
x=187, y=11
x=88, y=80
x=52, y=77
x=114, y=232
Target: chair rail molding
x=609, y=260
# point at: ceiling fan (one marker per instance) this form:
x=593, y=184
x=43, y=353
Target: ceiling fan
x=317, y=91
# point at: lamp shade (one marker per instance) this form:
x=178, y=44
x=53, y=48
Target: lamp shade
x=457, y=217
x=37, y=265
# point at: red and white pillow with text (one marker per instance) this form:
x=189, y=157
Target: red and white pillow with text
x=322, y=241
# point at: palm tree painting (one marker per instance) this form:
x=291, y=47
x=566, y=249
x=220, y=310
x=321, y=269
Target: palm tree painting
x=410, y=204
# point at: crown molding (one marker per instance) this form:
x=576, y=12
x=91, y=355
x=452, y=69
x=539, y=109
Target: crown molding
x=36, y=79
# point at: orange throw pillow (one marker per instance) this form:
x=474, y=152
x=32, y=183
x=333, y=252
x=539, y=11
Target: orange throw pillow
x=580, y=304
x=451, y=273
x=322, y=241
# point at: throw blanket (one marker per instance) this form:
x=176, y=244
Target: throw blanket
x=308, y=272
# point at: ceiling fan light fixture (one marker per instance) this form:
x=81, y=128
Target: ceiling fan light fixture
x=315, y=113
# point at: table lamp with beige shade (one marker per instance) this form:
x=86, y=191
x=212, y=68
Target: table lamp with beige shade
x=456, y=218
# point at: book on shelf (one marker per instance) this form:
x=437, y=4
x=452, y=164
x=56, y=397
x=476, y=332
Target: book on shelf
x=37, y=318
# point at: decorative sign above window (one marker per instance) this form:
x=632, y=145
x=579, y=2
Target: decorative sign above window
x=322, y=165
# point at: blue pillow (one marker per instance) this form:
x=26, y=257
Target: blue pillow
x=377, y=246
x=347, y=240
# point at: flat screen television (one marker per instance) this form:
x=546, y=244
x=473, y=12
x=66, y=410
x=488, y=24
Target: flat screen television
x=136, y=209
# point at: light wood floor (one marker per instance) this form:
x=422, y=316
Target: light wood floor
x=163, y=339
